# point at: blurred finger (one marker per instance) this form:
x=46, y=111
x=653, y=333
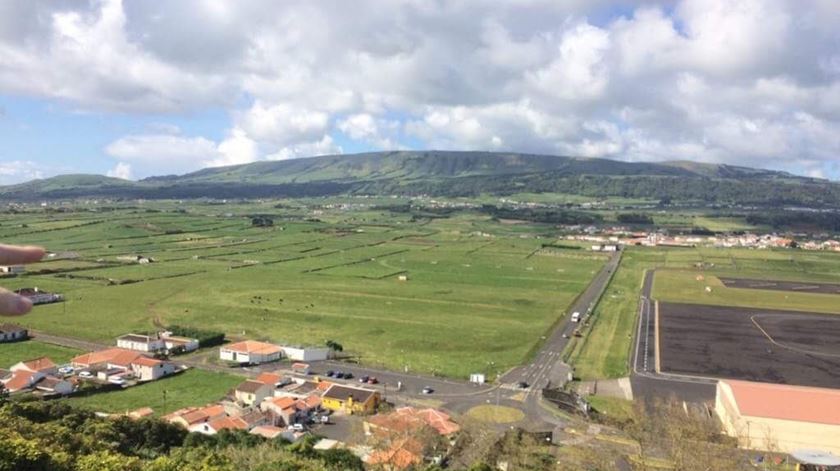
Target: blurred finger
x=13, y=254
x=12, y=304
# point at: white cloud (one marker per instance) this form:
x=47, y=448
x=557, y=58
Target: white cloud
x=121, y=170
x=20, y=170
x=712, y=80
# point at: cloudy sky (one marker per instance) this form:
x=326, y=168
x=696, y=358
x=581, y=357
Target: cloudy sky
x=138, y=88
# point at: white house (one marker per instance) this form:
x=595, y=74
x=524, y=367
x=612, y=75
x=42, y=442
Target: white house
x=250, y=351
x=149, y=369
x=141, y=343
x=215, y=426
x=252, y=392
x=12, y=332
x=306, y=353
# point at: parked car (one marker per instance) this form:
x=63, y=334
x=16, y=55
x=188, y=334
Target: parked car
x=364, y=379
x=339, y=375
x=372, y=380
x=116, y=380
x=296, y=427
x=85, y=374
x=66, y=370
x=348, y=375
x=522, y=385
x=427, y=390
x=330, y=374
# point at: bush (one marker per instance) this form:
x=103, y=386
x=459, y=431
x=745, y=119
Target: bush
x=206, y=338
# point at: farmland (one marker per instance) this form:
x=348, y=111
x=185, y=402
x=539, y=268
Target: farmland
x=478, y=292
x=11, y=353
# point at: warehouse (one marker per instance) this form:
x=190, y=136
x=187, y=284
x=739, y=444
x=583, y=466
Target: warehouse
x=778, y=417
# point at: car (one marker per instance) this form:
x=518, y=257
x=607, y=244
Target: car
x=324, y=419
x=348, y=375
x=66, y=370
x=372, y=380
x=522, y=385
x=116, y=380
x=339, y=375
x=296, y=427
x=427, y=390
x=330, y=374
x=364, y=379
x=85, y=374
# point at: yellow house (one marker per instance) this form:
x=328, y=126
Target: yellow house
x=351, y=400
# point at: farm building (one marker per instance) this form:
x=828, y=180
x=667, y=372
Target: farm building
x=779, y=417
x=12, y=332
x=141, y=343
x=352, y=400
x=250, y=351
x=306, y=353
x=39, y=297
x=12, y=269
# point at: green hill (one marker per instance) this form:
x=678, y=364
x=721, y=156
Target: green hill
x=449, y=173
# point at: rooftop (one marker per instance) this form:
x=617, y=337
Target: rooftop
x=250, y=386
x=253, y=346
x=342, y=393
x=137, y=338
x=786, y=402
x=38, y=364
x=117, y=356
x=9, y=328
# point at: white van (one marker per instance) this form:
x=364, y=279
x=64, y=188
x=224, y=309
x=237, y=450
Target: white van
x=575, y=317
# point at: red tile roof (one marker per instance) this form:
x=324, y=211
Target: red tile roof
x=146, y=361
x=270, y=379
x=223, y=423
x=253, y=346
x=20, y=379
x=39, y=364
x=785, y=402
x=114, y=356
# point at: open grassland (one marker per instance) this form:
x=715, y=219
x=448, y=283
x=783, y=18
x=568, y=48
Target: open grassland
x=683, y=275
x=13, y=352
x=477, y=293
x=191, y=388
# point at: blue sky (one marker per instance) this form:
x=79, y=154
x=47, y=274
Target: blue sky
x=133, y=89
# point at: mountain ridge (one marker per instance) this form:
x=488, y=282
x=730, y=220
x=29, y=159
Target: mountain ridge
x=453, y=173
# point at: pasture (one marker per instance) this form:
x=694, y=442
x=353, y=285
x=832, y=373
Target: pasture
x=13, y=352
x=478, y=294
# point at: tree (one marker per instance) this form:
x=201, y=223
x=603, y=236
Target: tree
x=334, y=346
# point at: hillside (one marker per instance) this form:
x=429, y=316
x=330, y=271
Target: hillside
x=448, y=173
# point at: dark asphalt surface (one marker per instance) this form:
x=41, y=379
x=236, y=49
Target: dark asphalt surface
x=750, y=344
x=646, y=382
x=775, y=285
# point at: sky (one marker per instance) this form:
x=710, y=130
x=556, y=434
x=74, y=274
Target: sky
x=136, y=88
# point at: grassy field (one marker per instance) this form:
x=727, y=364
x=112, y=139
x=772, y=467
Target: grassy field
x=478, y=292
x=11, y=353
x=608, y=342
x=191, y=388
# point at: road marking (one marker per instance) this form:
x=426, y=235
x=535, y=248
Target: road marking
x=656, y=333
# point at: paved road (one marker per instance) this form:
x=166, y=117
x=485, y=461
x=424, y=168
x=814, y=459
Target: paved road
x=646, y=381
x=547, y=364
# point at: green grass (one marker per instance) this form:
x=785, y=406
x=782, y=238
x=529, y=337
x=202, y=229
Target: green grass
x=478, y=297
x=614, y=408
x=11, y=353
x=687, y=287
x=191, y=388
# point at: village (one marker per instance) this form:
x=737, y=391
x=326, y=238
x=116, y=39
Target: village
x=282, y=400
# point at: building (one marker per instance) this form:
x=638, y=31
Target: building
x=190, y=416
x=53, y=385
x=215, y=426
x=150, y=369
x=267, y=431
x=172, y=342
x=406, y=420
x=250, y=351
x=252, y=392
x=39, y=297
x=12, y=269
x=12, y=333
x=779, y=417
x=36, y=365
x=141, y=343
x=22, y=380
x=287, y=410
x=306, y=353
x=104, y=358
x=301, y=368
x=351, y=400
